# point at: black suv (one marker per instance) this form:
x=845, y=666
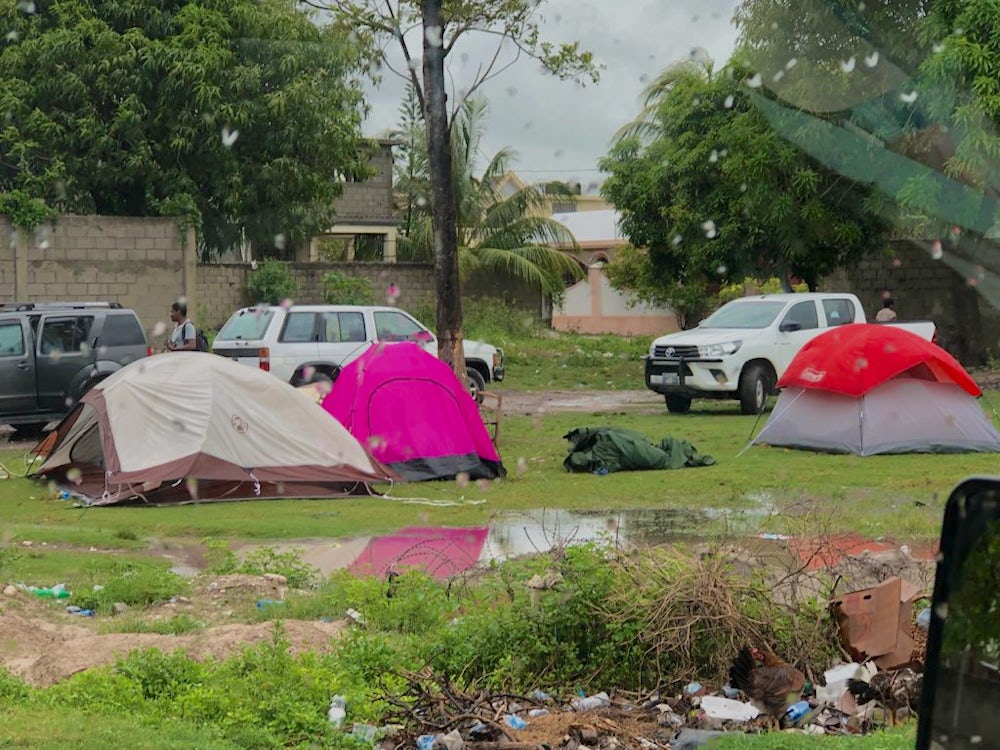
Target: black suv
x=52, y=353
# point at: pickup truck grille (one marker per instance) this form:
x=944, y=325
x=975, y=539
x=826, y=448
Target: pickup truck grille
x=674, y=351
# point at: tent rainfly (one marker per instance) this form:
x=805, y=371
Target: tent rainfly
x=414, y=414
x=867, y=389
x=192, y=426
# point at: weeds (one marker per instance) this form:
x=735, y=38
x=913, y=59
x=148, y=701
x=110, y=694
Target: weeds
x=175, y=625
x=298, y=574
x=129, y=583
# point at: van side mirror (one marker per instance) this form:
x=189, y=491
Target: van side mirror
x=789, y=326
x=423, y=337
x=961, y=691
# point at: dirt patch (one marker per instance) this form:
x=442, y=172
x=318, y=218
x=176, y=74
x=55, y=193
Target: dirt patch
x=42, y=644
x=532, y=403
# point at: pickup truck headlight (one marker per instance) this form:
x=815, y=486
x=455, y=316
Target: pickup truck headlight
x=714, y=351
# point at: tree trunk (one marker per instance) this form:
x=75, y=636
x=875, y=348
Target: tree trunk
x=444, y=214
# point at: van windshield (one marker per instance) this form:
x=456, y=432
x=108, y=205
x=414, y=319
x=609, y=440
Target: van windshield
x=248, y=324
x=744, y=314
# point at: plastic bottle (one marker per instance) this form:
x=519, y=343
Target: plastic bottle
x=338, y=711
x=514, y=721
x=797, y=710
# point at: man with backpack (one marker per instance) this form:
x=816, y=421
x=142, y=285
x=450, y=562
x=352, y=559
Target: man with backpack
x=185, y=335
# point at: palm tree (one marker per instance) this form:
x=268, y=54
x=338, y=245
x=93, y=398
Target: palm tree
x=506, y=234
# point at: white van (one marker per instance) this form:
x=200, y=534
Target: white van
x=306, y=343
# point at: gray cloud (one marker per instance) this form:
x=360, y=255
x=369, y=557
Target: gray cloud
x=560, y=129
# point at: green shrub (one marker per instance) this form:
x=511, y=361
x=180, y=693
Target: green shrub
x=132, y=583
x=271, y=282
x=339, y=289
x=288, y=564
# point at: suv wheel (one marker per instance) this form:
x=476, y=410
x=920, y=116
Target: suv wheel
x=477, y=384
x=29, y=431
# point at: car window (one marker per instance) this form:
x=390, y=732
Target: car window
x=66, y=335
x=394, y=326
x=838, y=311
x=299, y=328
x=121, y=330
x=744, y=315
x=345, y=326
x=246, y=324
x=803, y=313
x=11, y=339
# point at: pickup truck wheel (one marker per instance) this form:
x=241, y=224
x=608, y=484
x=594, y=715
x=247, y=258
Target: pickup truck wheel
x=677, y=404
x=477, y=384
x=755, y=383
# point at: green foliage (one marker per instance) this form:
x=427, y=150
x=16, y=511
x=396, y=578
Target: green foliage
x=715, y=194
x=254, y=112
x=174, y=625
x=339, y=289
x=298, y=574
x=499, y=322
x=25, y=211
x=271, y=282
x=129, y=582
x=11, y=688
x=497, y=233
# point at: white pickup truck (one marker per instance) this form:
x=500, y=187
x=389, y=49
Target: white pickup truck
x=741, y=350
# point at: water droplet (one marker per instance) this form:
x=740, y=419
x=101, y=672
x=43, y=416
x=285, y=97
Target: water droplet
x=159, y=328
x=938, y=47
x=676, y=240
x=191, y=483
x=511, y=91
x=324, y=387
x=308, y=372
x=558, y=153
x=975, y=739
x=743, y=187
x=939, y=557
x=754, y=81
x=229, y=136
x=728, y=103
x=972, y=282
x=84, y=347
x=713, y=157
x=860, y=363
x=286, y=303
x=908, y=97
x=721, y=269
x=12, y=36
x=392, y=294
x=43, y=245
x=522, y=465
x=74, y=475
x=695, y=101
x=69, y=402
x=433, y=35
x=937, y=252
x=414, y=64
x=954, y=235
x=941, y=610
x=182, y=301
x=421, y=201
x=848, y=65
x=791, y=63
x=483, y=484
x=462, y=479
x=279, y=241
x=709, y=228
x=27, y=6
x=872, y=60
x=778, y=76
x=56, y=354
x=896, y=263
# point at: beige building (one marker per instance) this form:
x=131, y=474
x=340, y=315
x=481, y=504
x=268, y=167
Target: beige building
x=510, y=183
x=592, y=305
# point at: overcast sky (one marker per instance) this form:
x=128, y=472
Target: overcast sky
x=559, y=129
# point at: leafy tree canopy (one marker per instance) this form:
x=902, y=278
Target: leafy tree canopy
x=715, y=194
x=238, y=114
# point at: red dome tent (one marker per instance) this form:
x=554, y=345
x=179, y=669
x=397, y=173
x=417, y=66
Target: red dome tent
x=868, y=389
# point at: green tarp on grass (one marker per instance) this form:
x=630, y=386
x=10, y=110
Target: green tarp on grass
x=603, y=450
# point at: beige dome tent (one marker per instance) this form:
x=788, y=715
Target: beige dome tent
x=190, y=426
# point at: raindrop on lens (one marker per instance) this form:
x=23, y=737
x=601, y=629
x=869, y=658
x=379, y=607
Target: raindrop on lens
x=462, y=479
x=69, y=402
x=848, y=65
x=74, y=475
x=728, y=103
x=229, y=136
x=307, y=372
x=433, y=35
x=721, y=269
x=778, y=76
x=860, y=364
x=937, y=252
x=896, y=262
x=908, y=97
x=192, y=487
x=754, y=81
x=324, y=387
x=938, y=47
x=522, y=465
x=279, y=241
x=286, y=303
x=676, y=240
x=709, y=228
x=159, y=328
x=941, y=610
x=43, y=245
x=791, y=63
x=483, y=485
x=872, y=60
x=713, y=157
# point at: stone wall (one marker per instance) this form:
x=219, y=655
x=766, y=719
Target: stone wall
x=924, y=288
x=142, y=263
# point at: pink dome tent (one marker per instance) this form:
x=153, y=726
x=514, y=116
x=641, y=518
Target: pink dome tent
x=414, y=415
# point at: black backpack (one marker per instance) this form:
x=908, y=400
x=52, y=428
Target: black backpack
x=200, y=339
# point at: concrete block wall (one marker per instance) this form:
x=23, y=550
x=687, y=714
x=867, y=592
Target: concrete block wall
x=222, y=286
x=924, y=288
x=142, y=263
x=371, y=199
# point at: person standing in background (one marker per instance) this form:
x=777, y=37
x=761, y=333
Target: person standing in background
x=888, y=312
x=184, y=336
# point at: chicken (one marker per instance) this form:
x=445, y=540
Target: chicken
x=772, y=686
x=893, y=690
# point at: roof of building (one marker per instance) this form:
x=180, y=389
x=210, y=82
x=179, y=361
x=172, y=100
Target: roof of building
x=592, y=226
